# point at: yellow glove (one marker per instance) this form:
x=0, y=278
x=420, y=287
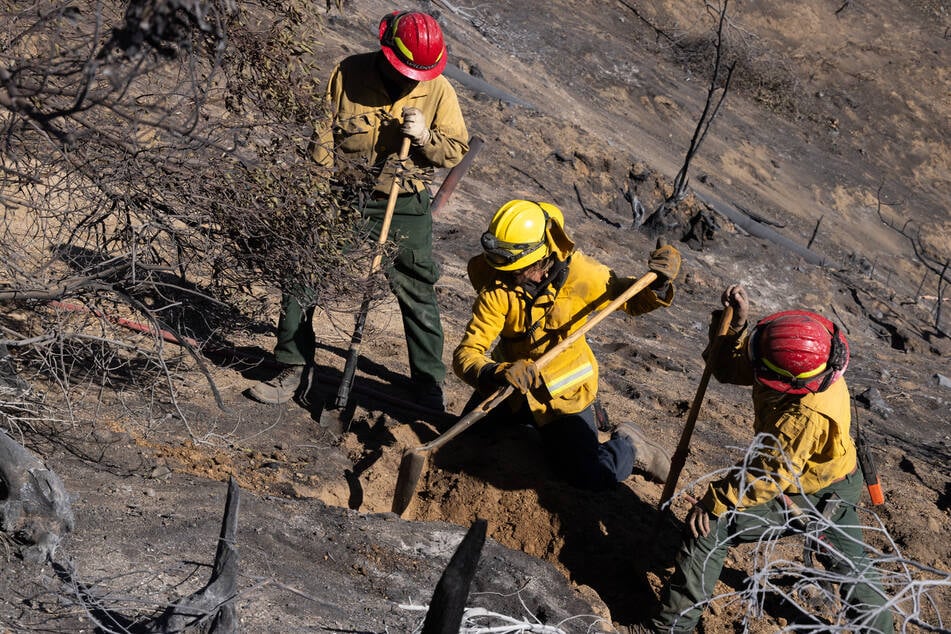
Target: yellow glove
x=665, y=261
x=523, y=375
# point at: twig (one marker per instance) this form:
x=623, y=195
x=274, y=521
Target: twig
x=591, y=212
x=709, y=110
x=815, y=231
x=941, y=285
x=637, y=14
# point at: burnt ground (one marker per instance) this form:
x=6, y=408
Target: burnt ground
x=835, y=134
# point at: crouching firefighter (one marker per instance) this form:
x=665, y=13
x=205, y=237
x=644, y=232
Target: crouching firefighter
x=534, y=290
x=803, y=458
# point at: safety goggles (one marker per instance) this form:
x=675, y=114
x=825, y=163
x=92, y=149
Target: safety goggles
x=501, y=253
x=389, y=34
x=817, y=380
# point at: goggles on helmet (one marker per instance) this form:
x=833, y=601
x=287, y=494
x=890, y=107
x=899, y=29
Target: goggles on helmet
x=501, y=253
x=392, y=40
x=389, y=37
x=815, y=380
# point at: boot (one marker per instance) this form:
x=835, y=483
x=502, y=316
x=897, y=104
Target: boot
x=649, y=457
x=280, y=388
x=429, y=396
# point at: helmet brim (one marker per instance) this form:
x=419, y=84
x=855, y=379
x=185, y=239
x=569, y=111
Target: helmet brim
x=409, y=72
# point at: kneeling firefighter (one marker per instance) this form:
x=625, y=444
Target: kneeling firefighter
x=534, y=290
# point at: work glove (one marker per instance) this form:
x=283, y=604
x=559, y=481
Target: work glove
x=523, y=375
x=698, y=519
x=735, y=296
x=414, y=126
x=665, y=262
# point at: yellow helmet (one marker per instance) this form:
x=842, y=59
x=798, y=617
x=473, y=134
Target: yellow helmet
x=517, y=236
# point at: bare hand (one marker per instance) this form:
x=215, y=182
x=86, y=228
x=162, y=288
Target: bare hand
x=735, y=296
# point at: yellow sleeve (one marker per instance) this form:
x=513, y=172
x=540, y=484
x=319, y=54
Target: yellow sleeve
x=488, y=319
x=449, y=138
x=732, y=363
x=774, y=463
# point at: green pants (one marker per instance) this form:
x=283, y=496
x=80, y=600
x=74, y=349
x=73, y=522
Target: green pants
x=700, y=560
x=412, y=277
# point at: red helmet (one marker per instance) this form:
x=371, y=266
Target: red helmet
x=797, y=352
x=413, y=44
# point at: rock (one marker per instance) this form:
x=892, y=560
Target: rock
x=941, y=380
x=34, y=508
x=872, y=399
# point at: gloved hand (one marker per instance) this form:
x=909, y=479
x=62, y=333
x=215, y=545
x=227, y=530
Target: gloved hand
x=698, y=519
x=665, y=261
x=735, y=296
x=414, y=126
x=523, y=375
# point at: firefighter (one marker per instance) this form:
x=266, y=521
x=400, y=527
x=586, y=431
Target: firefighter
x=376, y=99
x=534, y=289
x=804, y=458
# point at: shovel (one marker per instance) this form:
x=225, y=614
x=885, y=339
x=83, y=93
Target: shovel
x=679, y=458
x=327, y=419
x=413, y=460
x=442, y=196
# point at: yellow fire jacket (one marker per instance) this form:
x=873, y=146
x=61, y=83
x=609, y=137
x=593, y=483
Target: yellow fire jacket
x=810, y=446
x=526, y=330
x=363, y=137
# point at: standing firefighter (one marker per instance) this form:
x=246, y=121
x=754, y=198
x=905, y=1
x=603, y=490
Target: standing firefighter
x=534, y=289
x=368, y=94
x=804, y=458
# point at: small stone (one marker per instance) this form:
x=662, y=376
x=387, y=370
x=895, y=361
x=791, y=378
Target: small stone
x=941, y=380
x=161, y=471
x=873, y=400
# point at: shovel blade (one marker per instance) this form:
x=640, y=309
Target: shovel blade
x=335, y=419
x=411, y=468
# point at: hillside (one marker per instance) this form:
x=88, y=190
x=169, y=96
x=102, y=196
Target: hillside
x=834, y=136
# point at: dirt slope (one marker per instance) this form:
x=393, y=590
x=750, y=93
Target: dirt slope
x=835, y=119
x=838, y=117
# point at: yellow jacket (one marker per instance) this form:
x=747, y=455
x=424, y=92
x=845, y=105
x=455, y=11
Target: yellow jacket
x=364, y=133
x=524, y=330
x=812, y=446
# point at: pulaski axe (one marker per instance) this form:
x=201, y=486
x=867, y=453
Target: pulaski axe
x=679, y=458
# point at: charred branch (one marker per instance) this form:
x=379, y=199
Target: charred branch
x=710, y=109
x=452, y=591
x=34, y=505
x=932, y=263
x=213, y=605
